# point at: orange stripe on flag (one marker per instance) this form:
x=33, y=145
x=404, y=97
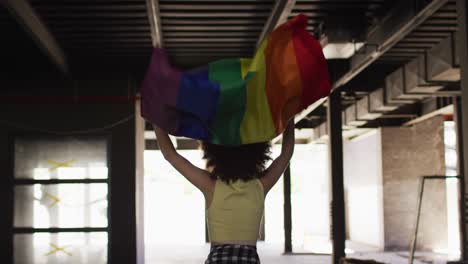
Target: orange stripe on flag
x=283, y=83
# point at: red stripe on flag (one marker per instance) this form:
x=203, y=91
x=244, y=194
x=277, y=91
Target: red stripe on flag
x=311, y=62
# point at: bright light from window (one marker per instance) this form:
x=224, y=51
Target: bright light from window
x=341, y=50
x=310, y=198
x=41, y=173
x=274, y=210
x=71, y=173
x=97, y=172
x=174, y=208
x=453, y=230
x=64, y=205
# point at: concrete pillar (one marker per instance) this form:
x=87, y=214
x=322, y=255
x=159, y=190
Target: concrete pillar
x=139, y=178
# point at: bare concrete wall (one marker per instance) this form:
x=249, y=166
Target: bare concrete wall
x=362, y=158
x=407, y=154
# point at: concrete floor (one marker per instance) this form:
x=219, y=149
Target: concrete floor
x=193, y=254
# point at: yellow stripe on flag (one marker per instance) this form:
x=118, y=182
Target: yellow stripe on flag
x=257, y=124
x=245, y=65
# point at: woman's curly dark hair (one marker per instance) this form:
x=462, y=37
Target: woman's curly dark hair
x=231, y=163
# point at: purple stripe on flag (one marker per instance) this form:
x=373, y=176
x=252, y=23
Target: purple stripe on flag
x=159, y=92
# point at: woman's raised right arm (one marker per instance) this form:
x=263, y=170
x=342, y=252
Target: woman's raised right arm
x=279, y=165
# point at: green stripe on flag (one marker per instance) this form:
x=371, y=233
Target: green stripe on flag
x=231, y=104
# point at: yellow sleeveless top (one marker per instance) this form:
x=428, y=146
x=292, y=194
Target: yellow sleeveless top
x=236, y=211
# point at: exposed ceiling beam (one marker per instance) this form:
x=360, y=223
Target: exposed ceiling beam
x=343, y=5
x=210, y=45
x=213, y=21
x=279, y=14
x=155, y=22
x=214, y=27
x=144, y=34
x=27, y=17
x=213, y=7
x=212, y=40
x=228, y=14
x=432, y=108
x=399, y=23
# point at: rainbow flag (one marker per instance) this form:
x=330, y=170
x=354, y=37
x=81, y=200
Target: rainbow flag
x=242, y=100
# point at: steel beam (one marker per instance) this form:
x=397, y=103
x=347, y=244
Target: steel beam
x=155, y=22
x=279, y=14
x=27, y=17
x=393, y=28
x=338, y=227
x=458, y=118
x=287, y=210
x=462, y=15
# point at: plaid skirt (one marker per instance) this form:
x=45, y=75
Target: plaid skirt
x=233, y=254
